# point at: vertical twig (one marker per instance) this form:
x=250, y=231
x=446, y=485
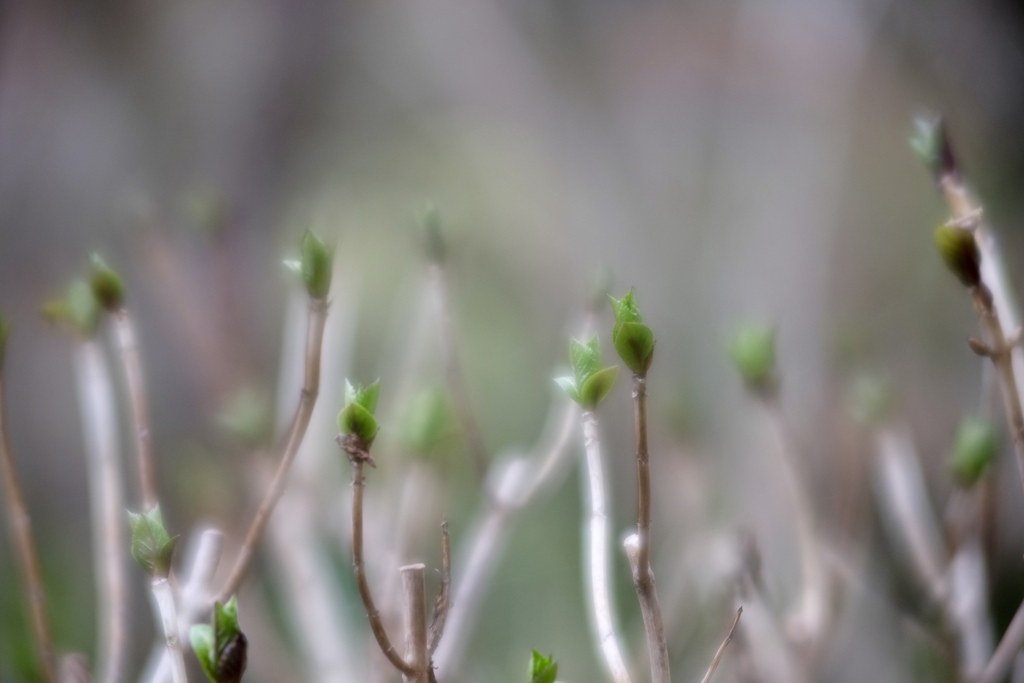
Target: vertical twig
x=132, y=366
x=721, y=648
x=307, y=399
x=638, y=545
x=600, y=589
x=443, y=601
x=99, y=426
x=416, y=653
x=28, y=558
x=164, y=597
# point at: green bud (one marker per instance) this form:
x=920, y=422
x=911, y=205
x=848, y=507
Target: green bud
x=543, y=669
x=433, y=234
x=78, y=311
x=316, y=265
x=106, y=284
x=632, y=339
x=221, y=647
x=152, y=547
x=960, y=253
x=5, y=330
x=590, y=383
x=357, y=416
x=930, y=142
x=753, y=352
x=974, y=447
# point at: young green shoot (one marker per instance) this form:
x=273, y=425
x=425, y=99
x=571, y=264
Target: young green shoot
x=21, y=531
x=221, y=646
x=634, y=342
x=315, y=269
x=975, y=447
x=543, y=669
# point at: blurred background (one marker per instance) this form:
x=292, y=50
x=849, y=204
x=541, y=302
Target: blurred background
x=730, y=160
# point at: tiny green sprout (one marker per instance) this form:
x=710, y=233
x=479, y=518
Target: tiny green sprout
x=543, y=669
x=314, y=266
x=106, y=284
x=974, y=448
x=78, y=311
x=753, y=352
x=590, y=382
x=356, y=418
x=152, y=547
x=960, y=253
x=429, y=219
x=5, y=330
x=930, y=142
x=632, y=339
x=220, y=646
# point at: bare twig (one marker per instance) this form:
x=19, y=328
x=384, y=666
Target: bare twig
x=443, y=601
x=638, y=549
x=1006, y=651
x=132, y=366
x=600, y=589
x=416, y=653
x=99, y=426
x=28, y=558
x=307, y=399
x=453, y=373
x=721, y=648
x=164, y=597
x=372, y=614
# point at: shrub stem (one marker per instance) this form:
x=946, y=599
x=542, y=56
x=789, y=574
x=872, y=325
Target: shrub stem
x=132, y=366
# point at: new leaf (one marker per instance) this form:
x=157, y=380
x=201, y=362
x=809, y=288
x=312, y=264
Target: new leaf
x=152, y=546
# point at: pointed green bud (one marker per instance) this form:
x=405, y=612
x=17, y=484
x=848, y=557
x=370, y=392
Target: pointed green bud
x=5, y=329
x=930, y=142
x=433, y=233
x=221, y=647
x=357, y=415
x=152, y=547
x=753, y=352
x=106, y=284
x=974, y=448
x=590, y=383
x=542, y=669
x=960, y=253
x=317, y=263
x=633, y=340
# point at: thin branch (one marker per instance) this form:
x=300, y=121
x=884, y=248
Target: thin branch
x=1006, y=651
x=99, y=426
x=443, y=601
x=164, y=597
x=600, y=589
x=453, y=373
x=639, y=549
x=721, y=648
x=416, y=653
x=372, y=614
x=307, y=399
x=132, y=366
x=25, y=547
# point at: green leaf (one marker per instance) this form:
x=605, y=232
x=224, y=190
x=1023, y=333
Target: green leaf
x=930, y=142
x=5, y=330
x=625, y=309
x=433, y=234
x=201, y=637
x=597, y=386
x=543, y=669
x=317, y=263
x=635, y=345
x=568, y=385
x=974, y=448
x=960, y=253
x=585, y=359
x=364, y=396
x=355, y=419
x=152, y=547
x=753, y=352
x=106, y=284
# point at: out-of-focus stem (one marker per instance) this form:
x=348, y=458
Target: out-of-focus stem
x=638, y=550
x=443, y=601
x=600, y=589
x=307, y=399
x=25, y=547
x=129, y=353
x=416, y=653
x=97, y=406
x=164, y=597
x=721, y=648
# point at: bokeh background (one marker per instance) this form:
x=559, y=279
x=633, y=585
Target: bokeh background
x=730, y=160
